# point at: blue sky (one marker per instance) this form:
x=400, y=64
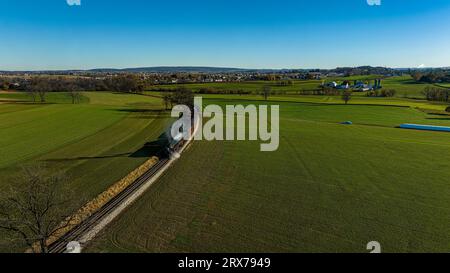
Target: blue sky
x=50, y=34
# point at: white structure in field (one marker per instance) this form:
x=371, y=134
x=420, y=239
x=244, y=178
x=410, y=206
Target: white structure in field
x=73, y=2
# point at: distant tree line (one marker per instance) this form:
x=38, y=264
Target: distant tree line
x=37, y=87
x=122, y=83
x=211, y=90
x=321, y=91
x=130, y=83
x=432, y=93
x=4, y=84
x=180, y=96
x=384, y=93
x=285, y=83
x=431, y=77
x=205, y=90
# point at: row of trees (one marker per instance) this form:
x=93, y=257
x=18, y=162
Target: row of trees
x=184, y=96
x=211, y=90
x=431, y=77
x=130, y=83
x=432, y=93
x=285, y=83
x=322, y=91
x=384, y=93
x=4, y=84
x=180, y=96
x=38, y=87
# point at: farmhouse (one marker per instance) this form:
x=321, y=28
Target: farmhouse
x=362, y=87
x=357, y=86
x=343, y=86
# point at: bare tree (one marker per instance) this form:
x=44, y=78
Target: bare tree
x=32, y=94
x=167, y=98
x=39, y=86
x=42, y=92
x=130, y=83
x=266, y=91
x=36, y=211
x=74, y=93
x=346, y=96
x=182, y=96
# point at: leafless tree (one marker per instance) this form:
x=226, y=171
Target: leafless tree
x=182, y=96
x=42, y=93
x=266, y=91
x=37, y=209
x=130, y=83
x=346, y=96
x=74, y=93
x=39, y=86
x=32, y=94
x=167, y=98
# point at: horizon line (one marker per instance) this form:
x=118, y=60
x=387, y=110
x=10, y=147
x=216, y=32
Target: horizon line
x=213, y=67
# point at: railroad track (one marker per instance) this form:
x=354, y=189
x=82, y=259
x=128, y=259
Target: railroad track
x=78, y=231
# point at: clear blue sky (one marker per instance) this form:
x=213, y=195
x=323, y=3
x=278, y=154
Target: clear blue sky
x=50, y=34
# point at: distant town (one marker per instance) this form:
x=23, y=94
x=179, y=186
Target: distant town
x=95, y=79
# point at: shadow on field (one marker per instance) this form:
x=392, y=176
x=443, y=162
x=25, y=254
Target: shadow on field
x=88, y=157
x=448, y=118
x=143, y=113
x=24, y=102
x=153, y=148
x=438, y=116
x=316, y=104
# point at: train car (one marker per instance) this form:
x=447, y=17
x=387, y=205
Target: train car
x=175, y=141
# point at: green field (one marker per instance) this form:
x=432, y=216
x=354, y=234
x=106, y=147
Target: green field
x=51, y=98
x=95, y=143
x=329, y=188
x=404, y=85
x=333, y=100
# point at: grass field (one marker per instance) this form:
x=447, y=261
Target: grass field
x=333, y=100
x=95, y=143
x=329, y=188
x=51, y=97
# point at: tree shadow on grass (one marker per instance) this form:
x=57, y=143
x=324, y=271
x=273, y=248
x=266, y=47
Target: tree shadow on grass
x=25, y=102
x=303, y=103
x=153, y=148
x=448, y=119
x=143, y=113
x=438, y=116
